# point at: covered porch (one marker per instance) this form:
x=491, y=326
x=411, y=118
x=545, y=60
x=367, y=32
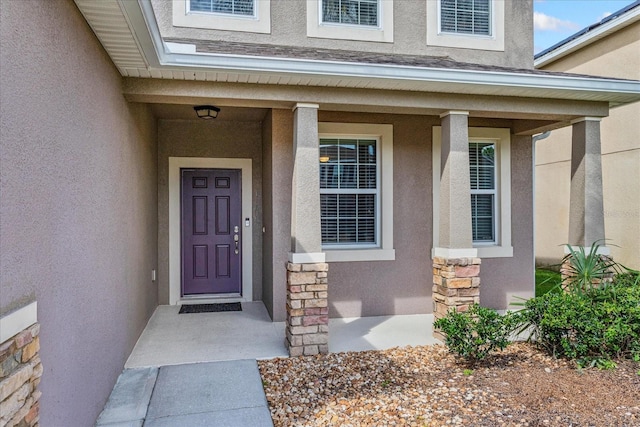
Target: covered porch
x=173, y=339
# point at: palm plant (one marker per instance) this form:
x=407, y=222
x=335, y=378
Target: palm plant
x=583, y=271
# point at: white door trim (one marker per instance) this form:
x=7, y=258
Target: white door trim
x=175, y=164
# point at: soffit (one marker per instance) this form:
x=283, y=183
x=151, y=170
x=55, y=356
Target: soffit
x=129, y=33
x=110, y=25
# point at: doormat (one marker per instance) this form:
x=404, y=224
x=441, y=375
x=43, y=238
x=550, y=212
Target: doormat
x=210, y=308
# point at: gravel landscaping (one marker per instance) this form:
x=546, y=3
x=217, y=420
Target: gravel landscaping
x=427, y=386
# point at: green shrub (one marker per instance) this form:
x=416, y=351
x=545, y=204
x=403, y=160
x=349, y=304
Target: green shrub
x=475, y=333
x=584, y=271
x=592, y=325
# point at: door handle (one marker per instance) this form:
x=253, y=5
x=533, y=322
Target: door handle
x=236, y=239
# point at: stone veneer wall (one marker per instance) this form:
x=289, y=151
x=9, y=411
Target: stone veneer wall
x=307, y=327
x=456, y=284
x=20, y=372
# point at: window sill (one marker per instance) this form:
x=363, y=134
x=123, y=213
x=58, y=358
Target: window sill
x=495, y=251
x=349, y=255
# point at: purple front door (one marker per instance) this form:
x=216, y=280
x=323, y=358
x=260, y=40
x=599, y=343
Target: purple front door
x=211, y=216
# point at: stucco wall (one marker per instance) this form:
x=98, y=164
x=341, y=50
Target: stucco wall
x=502, y=279
x=404, y=286
x=617, y=55
x=289, y=21
x=78, y=211
x=278, y=172
x=199, y=138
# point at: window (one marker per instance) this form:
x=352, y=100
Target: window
x=365, y=20
x=356, y=191
x=490, y=173
x=349, y=199
x=483, y=191
x=232, y=7
x=466, y=24
x=253, y=16
x=465, y=16
x=352, y=12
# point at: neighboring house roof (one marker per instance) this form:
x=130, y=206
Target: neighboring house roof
x=131, y=36
x=612, y=23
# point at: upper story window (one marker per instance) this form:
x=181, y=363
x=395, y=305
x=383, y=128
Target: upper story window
x=253, y=16
x=351, y=12
x=466, y=24
x=231, y=7
x=364, y=20
x=466, y=16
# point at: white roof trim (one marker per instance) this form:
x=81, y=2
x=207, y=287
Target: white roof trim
x=161, y=56
x=589, y=37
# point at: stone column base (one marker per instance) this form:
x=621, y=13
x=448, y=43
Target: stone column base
x=20, y=372
x=456, y=285
x=307, y=327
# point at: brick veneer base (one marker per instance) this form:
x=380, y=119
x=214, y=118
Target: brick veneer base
x=307, y=330
x=456, y=285
x=20, y=372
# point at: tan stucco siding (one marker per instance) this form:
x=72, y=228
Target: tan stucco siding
x=78, y=211
x=402, y=286
x=278, y=172
x=617, y=55
x=289, y=28
x=198, y=138
x=502, y=279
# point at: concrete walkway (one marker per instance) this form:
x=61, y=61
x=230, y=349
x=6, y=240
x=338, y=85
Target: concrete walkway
x=200, y=369
x=224, y=394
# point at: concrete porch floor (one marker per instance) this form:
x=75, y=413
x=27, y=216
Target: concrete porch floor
x=200, y=369
x=172, y=339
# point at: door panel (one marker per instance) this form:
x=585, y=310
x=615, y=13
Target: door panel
x=211, y=226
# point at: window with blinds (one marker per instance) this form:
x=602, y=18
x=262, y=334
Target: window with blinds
x=352, y=12
x=466, y=17
x=230, y=7
x=482, y=166
x=349, y=192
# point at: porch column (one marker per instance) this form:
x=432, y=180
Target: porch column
x=307, y=327
x=586, y=209
x=456, y=267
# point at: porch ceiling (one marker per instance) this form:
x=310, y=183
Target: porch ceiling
x=185, y=112
x=130, y=34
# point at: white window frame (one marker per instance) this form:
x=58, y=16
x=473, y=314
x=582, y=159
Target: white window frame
x=501, y=248
x=495, y=192
x=376, y=192
x=436, y=37
x=491, y=27
x=378, y=9
x=260, y=22
x=330, y=30
x=383, y=250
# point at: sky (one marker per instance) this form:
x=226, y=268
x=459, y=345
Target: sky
x=555, y=20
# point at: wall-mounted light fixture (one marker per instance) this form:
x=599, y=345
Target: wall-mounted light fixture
x=207, y=112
